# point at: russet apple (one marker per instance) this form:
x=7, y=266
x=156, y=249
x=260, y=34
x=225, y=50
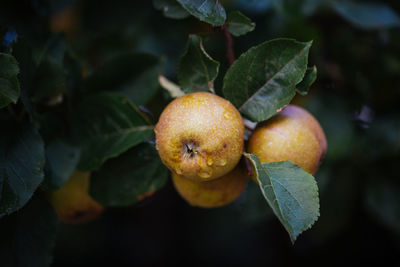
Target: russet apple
x=215, y=193
x=72, y=201
x=200, y=136
x=292, y=134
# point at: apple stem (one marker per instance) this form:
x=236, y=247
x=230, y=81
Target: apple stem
x=173, y=89
x=249, y=124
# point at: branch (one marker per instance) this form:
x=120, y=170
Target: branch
x=230, y=54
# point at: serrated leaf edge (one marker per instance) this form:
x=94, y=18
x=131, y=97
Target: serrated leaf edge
x=306, y=48
x=314, y=69
x=292, y=237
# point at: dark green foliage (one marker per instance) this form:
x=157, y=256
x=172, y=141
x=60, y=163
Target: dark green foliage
x=9, y=85
x=134, y=75
x=87, y=98
x=28, y=237
x=22, y=158
x=61, y=161
x=171, y=9
x=308, y=80
x=131, y=177
x=210, y=11
x=197, y=70
x=263, y=79
x=238, y=24
x=105, y=125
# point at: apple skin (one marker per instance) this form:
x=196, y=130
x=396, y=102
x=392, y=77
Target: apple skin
x=72, y=201
x=200, y=136
x=67, y=21
x=211, y=194
x=292, y=134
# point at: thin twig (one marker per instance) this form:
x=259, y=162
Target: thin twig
x=230, y=54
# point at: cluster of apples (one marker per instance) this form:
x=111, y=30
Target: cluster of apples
x=200, y=137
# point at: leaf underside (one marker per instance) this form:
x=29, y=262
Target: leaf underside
x=291, y=193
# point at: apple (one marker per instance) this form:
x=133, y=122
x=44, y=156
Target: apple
x=72, y=201
x=200, y=136
x=292, y=134
x=214, y=193
x=66, y=20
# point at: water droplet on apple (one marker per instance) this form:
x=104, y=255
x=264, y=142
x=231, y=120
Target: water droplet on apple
x=210, y=162
x=221, y=162
x=204, y=174
x=201, y=162
x=226, y=115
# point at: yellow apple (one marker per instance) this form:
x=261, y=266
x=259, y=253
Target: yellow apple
x=200, y=136
x=67, y=20
x=292, y=134
x=72, y=201
x=215, y=193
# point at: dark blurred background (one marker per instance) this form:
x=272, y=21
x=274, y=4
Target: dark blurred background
x=355, y=98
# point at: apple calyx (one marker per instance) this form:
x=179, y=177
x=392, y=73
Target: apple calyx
x=190, y=149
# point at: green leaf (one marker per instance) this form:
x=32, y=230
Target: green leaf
x=134, y=75
x=171, y=9
x=61, y=161
x=106, y=125
x=238, y=24
x=28, y=236
x=263, y=79
x=49, y=78
x=129, y=178
x=197, y=70
x=291, y=193
x=23, y=52
x=308, y=80
x=22, y=159
x=9, y=85
x=9, y=66
x=296, y=9
x=367, y=15
x=210, y=11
